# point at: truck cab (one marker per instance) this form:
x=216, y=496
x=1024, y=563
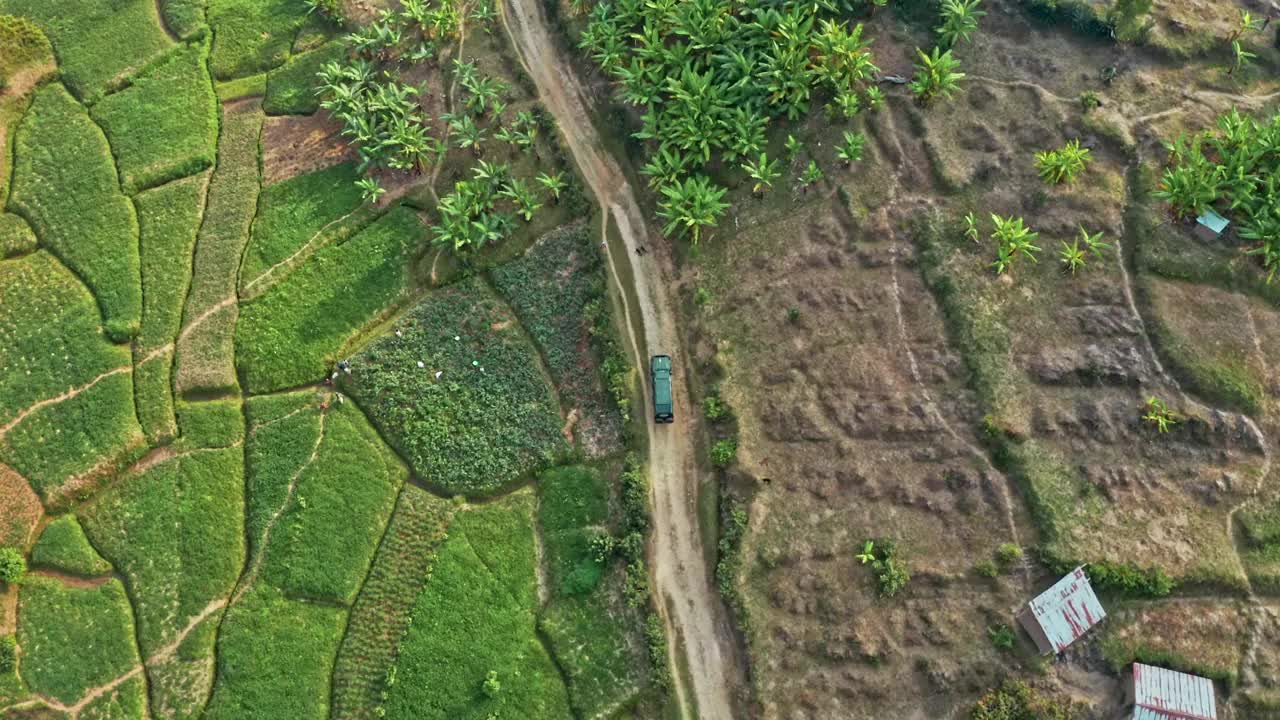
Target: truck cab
x=660, y=373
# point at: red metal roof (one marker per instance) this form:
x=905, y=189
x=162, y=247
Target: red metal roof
x=1161, y=694
x=1067, y=610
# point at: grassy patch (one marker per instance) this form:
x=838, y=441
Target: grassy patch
x=468, y=623
x=589, y=625
x=74, y=638
x=65, y=185
x=205, y=356
x=184, y=17
x=574, y=507
x=16, y=237
x=381, y=613
x=96, y=430
x=252, y=36
x=176, y=533
x=325, y=539
x=53, y=342
x=488, y=420
x=163, y=126
x=283, y=432
x=291, y=334
x=275, y=653
x=63, y=546
x=291, y=214
x=128, y=701
x=25, y=44
x=211, y=423
x=51, y=334
x=98, y=43
x=291, y=88
x=168, y=220
x=556, y=288
x=246, y=87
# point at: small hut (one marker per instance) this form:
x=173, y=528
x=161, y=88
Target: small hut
x=1062, y=614
x=1209, y=225
x=1160, y=694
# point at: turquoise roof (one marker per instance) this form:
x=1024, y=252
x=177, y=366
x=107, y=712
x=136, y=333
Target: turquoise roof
x=1213, y=221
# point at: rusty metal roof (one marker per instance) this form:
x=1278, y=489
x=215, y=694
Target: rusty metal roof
x=1067, y=610
x=1161, y=694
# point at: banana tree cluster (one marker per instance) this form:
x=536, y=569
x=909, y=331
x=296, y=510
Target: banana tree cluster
x=484, y=208
x=1237, y=168
x=379, y=114
x=711, y=75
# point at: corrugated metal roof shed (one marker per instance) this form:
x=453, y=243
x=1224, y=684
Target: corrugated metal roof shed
x=1064, y=612
x=1161, y=694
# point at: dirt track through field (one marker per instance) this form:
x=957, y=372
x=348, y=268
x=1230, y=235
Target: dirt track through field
x=695, y=619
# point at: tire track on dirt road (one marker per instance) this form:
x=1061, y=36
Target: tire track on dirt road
x=695, y=619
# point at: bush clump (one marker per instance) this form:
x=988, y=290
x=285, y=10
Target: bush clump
x=724, y=452
x=13, y=567
x=1129, y=579
x=8, y=654
x=890, y=569
x=1015, y=700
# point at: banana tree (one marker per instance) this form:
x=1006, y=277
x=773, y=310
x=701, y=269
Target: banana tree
x=959, y=21
x=763, y=172
x=554, y=183
x=850, y=151
x=936, y=75
x=691, y=205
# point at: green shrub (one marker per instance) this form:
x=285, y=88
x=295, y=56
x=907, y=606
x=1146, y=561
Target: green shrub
x=487, y=421
x=64, y=546
x=298, y=216
x=16, y=237
x=291, y=334
x=164, y=126
x=97, y=43
x=184, y=17
x=74, y=638
x=987, y=569
x=1129, y=580
x=13, y=566
x=64, y=184
x=291, y=88
x=274, y=652
x=8, y=654
x=252, y=36
x=467, y=622
x=1008, y=555
x=326, y=537
x=168, y=220
x=890, y=570
x=724, y=452
x=1014, y=700
x=205, y=356
x=713, y=408
x=24, y=44
x=1001, y=636
x=557, y=290
x=176, y=534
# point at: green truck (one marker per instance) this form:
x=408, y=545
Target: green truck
x=660, y=372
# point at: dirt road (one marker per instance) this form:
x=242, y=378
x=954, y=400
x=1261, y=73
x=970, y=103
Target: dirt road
x=694, y=616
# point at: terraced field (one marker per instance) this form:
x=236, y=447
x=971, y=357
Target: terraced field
x=324, y=328
x=213, y=519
